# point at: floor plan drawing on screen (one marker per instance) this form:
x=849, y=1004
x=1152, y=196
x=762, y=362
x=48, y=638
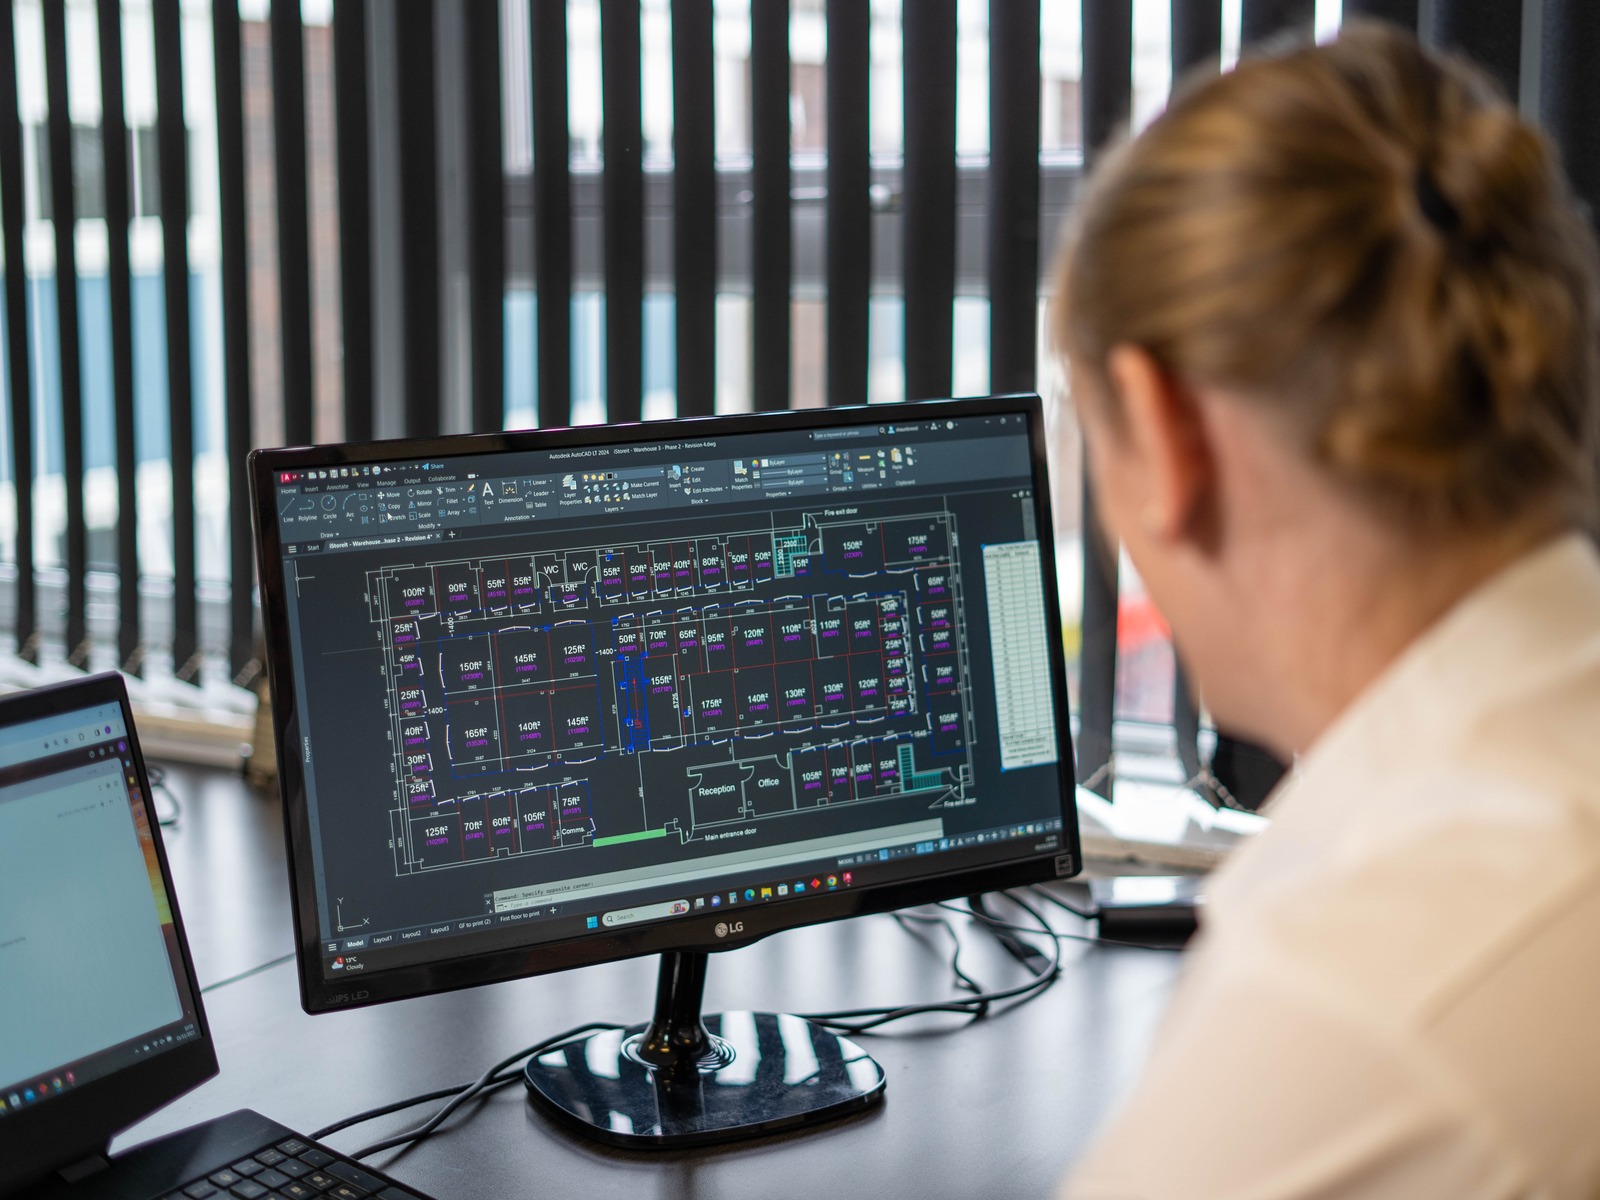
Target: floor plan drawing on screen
x=765, y=673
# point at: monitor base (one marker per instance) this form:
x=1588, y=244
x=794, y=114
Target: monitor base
x=684, y=1080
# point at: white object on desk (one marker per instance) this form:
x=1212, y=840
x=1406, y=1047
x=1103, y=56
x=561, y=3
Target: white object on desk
x=1161, y=825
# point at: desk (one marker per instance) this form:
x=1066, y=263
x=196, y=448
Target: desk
x=997, y=1109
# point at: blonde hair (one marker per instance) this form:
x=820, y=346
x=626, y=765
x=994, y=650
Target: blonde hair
x=1366, y=238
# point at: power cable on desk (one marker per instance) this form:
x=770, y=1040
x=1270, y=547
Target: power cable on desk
x=1028, y=955
x=864, y=1020
x=383, y=1110
x=497, y=1076
x=266, y=966
x=1088, y=914
x=908, y=921
x=1088, y=938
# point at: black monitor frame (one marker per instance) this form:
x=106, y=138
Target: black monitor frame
x=696, y=933
x=81, y=1121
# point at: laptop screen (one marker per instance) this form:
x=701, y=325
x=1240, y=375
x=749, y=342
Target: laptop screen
x=94, y=977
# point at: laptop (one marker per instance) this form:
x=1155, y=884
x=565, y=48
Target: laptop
x=101, y=1022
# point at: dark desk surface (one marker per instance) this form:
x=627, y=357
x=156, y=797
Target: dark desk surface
x=998, y=1108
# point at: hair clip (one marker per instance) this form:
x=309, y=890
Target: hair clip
x=1441, y=214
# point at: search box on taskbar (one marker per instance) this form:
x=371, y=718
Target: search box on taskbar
x=645, y=912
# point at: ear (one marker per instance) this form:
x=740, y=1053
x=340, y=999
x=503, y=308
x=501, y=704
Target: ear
x=1166, y=434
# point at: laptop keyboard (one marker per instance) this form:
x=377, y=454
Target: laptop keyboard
x=292, y=1170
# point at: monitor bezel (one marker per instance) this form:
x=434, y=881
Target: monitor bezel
x=82, y=1120
x=690, y=933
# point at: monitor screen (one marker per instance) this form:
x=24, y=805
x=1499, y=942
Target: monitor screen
x=95, y=977
x=565, y=688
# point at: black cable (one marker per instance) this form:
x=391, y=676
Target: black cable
x=984, y=917
x=1089, y=938
x=372, y=1114
x=487, y=1081
x=1088, y=914
x=1096, y=940
x=863, y=1020
x=277, y=962
x=963, y=980
x=1029, y=956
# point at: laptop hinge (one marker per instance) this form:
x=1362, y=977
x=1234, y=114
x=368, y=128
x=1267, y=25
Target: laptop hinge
x=91, y=1165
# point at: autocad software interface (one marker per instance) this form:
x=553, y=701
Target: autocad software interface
x=546, y=694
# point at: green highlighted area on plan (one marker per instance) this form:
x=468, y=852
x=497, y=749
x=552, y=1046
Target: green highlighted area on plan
x=642, y=836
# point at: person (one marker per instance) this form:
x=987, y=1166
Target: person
x=1331, y=328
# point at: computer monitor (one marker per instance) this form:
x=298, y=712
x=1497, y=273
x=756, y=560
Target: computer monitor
x=100, y=1017
x=546, y=699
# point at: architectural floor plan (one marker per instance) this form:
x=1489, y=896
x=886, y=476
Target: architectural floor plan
x=749, y=675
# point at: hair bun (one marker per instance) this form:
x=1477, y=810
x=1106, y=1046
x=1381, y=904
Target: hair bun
x=1492, y=169
x=1366, y=237
x=1443, y=215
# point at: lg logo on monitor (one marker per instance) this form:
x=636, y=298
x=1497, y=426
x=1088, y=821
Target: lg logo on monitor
x=724, y=928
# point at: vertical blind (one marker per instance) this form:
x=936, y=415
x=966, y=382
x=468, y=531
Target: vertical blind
x=759, y=195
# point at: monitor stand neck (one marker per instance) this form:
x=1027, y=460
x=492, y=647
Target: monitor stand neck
x=677, y=1036
x=672, y=1083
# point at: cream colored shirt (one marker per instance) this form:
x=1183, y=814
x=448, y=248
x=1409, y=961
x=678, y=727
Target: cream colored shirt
x=1397, y=988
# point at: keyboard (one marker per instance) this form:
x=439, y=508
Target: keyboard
x=242, y=1156
x=293, y=1169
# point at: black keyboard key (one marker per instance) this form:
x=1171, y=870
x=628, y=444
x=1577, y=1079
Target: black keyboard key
x=199, y=1191
x=351, y=1173
x=317, y=1158
x=246, y=1167
x=394, y=1193
x=296, y=1190
x=225, y=1179
x=248, y=1189
x=271, y=1179
x=296, y=1167
x=345, y=1192
x=270, y=1158
x=293, y=1147
x=320, y=1181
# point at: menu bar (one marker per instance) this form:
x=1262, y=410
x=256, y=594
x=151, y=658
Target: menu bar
x=377, y=505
